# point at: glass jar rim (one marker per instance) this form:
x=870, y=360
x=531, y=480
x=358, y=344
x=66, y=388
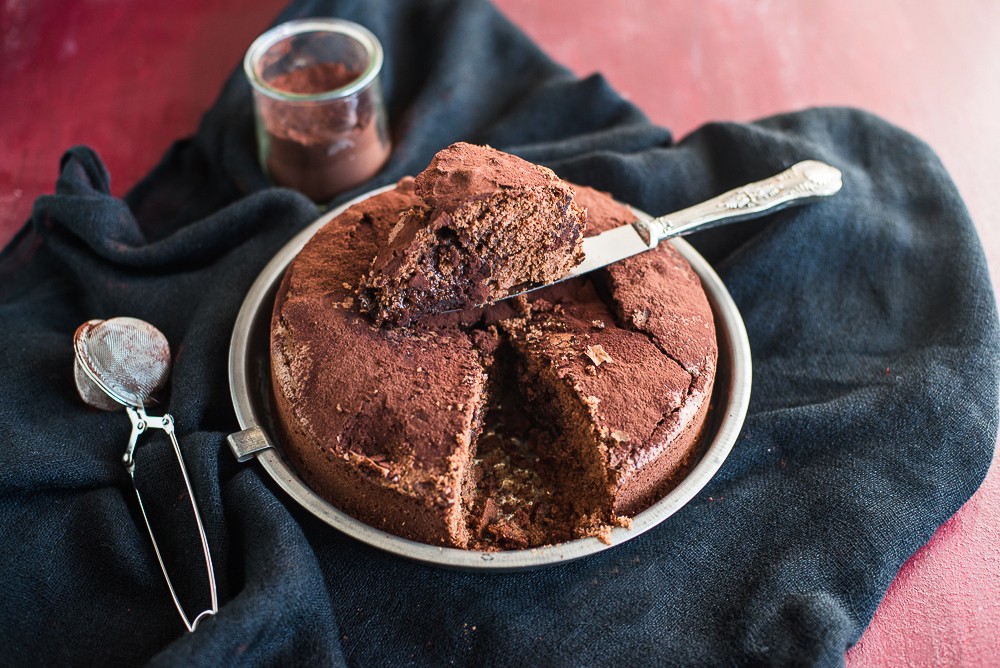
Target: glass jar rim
x=283, y=31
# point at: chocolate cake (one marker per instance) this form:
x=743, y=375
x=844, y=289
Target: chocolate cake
x=536, y=420
x=486, y=221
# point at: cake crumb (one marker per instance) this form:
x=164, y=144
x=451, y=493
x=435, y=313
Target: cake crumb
x=488, y=515
x=597, y=354
x=603, y=534
x=561, y=339
x=640, y=317
x=597, y=324
x=620, y=437
x=521, y=305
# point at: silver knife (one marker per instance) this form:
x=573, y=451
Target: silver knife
x=801, y=183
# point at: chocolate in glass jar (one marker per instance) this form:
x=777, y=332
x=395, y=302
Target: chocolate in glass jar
x=320, y=118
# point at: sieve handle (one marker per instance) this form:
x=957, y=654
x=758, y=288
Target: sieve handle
x=140, y=423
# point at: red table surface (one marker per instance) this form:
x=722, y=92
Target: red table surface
x=128, y=78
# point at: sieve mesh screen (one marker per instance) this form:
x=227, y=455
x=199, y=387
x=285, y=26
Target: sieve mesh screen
x=128, y=356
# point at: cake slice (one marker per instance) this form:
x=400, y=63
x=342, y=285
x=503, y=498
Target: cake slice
x=388, y=436
x=615, y=402
x=487, y=221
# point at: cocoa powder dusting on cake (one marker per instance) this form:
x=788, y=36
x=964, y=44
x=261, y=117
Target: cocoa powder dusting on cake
x=534, y=421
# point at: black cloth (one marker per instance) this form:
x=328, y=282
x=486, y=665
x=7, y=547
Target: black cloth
x=873, y=415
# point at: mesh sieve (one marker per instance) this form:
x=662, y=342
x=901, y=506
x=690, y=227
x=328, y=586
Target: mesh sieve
x=127, y=358
x=124, y=361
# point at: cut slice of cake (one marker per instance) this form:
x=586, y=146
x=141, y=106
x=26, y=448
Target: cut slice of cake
x=488, y=221
x=611, y=396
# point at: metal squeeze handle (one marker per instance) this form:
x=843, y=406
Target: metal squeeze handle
x=802, y=182
x=140, y=423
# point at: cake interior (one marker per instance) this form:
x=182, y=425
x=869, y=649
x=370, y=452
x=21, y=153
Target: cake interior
x=536, y=479
x=453, y=253
x=472, y=256
x=509, y=227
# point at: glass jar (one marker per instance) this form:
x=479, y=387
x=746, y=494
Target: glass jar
x=320, y=116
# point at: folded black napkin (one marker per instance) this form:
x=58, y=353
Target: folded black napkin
x=873, y=416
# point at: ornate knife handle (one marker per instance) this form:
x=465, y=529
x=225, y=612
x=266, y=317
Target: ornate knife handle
x=802, y=182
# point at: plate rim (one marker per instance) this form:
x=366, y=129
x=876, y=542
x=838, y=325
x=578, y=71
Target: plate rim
x=729, y=322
